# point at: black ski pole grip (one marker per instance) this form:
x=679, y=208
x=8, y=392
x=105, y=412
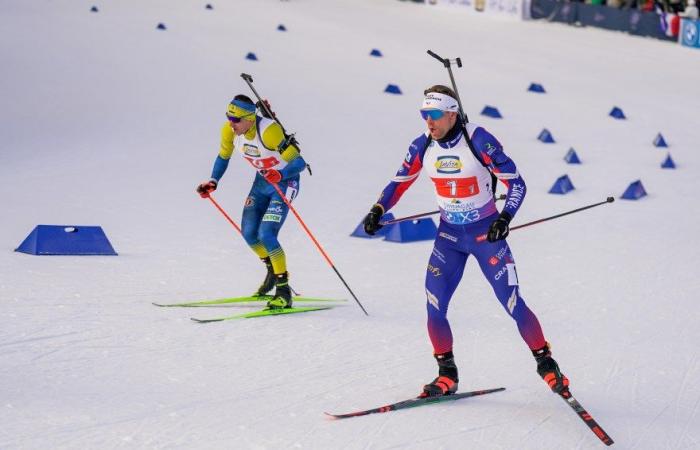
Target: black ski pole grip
x=247, y=77
x=459, y=62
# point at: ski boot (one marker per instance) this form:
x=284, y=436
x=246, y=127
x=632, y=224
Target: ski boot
x=283, y=294
x=269, y=281
x=447, y=379
x=548, y=369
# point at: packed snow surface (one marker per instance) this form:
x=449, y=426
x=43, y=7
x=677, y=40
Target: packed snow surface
x=106, y=120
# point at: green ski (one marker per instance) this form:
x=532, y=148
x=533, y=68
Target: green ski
x=248, y=299
x=264, y=313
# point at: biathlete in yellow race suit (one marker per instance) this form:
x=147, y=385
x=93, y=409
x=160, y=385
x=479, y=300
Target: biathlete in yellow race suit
x=261, y=142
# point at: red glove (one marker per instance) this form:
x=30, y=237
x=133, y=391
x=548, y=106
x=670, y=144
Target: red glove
x=205, y=188
x=271, y=175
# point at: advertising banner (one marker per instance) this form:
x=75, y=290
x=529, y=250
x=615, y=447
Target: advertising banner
x=690, y=33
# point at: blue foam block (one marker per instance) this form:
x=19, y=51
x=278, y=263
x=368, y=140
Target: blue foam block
x=392, y=89
x=634, y=191
x=668, y=163
x=412, y=231
x=617, y=113
x=659, y=141
x=536, y=87
x=571, y=157
x=546, y=137
x=66, y=240
x=491, y=111
x=562, y=185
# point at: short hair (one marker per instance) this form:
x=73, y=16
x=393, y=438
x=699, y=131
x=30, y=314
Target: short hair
x=244, y=98
x=441, y=89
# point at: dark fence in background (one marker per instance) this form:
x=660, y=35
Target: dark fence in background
x=632, y=21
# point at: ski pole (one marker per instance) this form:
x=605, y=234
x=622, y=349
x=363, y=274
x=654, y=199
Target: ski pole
x=418, y=216
x=534, y=222
x=313, y=239
x=235, y=225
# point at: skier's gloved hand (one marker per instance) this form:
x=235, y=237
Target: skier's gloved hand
x=371, y=222
x=263, y=110
x=271, y=175
x=499, y=228
x=207, y=187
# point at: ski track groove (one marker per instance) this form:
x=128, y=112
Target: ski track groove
x=41, y=338
x=688, y=421
x=682, y=389
x=532, y=429
x=480, y=429
x=648, y=427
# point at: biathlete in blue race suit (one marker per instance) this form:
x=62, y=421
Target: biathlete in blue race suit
x=261, y=141
x=470, y=224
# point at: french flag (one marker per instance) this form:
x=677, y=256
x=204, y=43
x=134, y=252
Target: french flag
x=670, y=23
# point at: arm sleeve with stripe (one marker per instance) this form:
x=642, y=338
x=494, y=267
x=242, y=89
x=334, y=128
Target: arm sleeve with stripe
x=502, y=167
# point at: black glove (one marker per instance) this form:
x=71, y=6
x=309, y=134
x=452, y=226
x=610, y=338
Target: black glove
x=371, y=222
x=499, y=228
x=205, y=188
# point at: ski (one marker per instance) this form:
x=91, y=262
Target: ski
x=247, y=299
x=264, y=313
x=587, y=419
x=414, y=402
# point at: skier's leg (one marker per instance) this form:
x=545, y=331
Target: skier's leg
x=498, y=266
x=253, y=210
x=445, y=269
x=271, y=223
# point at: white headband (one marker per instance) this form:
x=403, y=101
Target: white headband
x=443, y=102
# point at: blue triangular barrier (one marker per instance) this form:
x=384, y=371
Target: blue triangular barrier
x=659, y=141
x=536, y=87
x=161, y=26
x=491, y=111
x=251, y=56
x=281, y=27
x=392, y=89
x=376, y=52
x=360, y=229
x=634, y=191
x=617, y=113
x=94, y=9
x=208, y=6
x=571, y=157
x=66, y=240
x=562, y=185
x=546, y=137
x=412, y=231
x=668, y=163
